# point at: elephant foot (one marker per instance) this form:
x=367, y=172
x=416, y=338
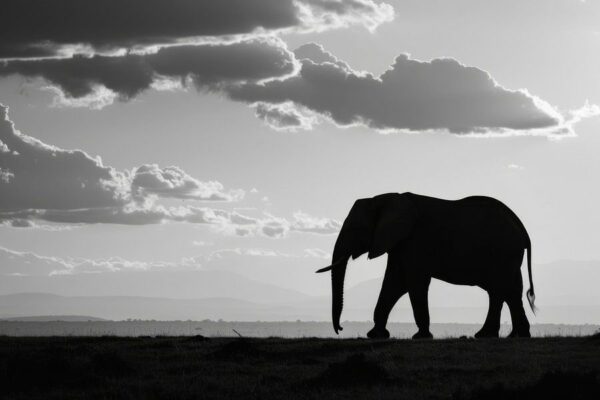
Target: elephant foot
x=377, y=333
x=483, y=334
x=515, y=334
x=423, y=335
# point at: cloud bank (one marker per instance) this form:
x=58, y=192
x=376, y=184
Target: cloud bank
x=441, y=94
x=231, y=47
x=34, y=29
x=204, y=66
x=291, y=90
x=44, y=182
x=25, y=263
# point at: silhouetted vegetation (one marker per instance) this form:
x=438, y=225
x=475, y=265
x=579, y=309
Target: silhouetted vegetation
x=247, y=368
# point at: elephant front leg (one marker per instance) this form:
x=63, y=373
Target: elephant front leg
x=392, y=289
x=420, y=306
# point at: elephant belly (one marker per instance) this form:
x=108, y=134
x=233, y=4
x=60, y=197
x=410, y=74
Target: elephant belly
x=459, y=277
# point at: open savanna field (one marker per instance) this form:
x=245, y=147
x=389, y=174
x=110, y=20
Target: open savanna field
x=309, y=368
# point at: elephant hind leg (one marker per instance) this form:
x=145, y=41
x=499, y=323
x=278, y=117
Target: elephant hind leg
x=420, y=306
x=519, y=319
x=491, y=326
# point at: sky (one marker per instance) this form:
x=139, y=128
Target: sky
x=235, y=135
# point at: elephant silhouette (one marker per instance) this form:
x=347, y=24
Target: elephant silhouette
x=476, y=241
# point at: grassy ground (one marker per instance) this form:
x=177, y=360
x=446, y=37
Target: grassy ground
x=197, y=367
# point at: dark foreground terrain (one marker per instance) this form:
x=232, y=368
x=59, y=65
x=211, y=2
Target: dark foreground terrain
x=216, y=368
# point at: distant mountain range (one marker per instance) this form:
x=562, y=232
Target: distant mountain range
x=567, y=292
x=53, y=307
x=154, y=283
x=55, y=318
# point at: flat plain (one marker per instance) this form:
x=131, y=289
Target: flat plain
x=194, y=367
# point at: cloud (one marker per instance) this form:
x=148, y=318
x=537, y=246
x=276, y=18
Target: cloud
x=46, y=177
x=25, y=263
x=275, y=227
x=94, y=54
x=6, y=175
x=19, y=263
x=46, y=182
x=243, y=225
x=319, y=15
x=317, y=54
x=588, y=110
x=228, y=46
x=27, y=223
x=261, y=252
x=99, y=80
x=317, y=253
x=175, y=183
x=411, y=95
x=61, y=186
x=128, y=214
x=284, y=116
x=32, y=28
x=304, y=222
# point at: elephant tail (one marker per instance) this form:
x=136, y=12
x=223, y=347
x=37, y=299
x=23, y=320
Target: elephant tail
x=530, y=292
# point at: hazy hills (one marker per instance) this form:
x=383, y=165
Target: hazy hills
x=566, y=293
x=55, y=318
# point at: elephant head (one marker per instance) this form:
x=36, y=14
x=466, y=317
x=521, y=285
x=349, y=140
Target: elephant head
x=374, y=225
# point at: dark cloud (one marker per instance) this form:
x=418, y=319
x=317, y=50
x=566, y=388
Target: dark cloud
x=205, y=65
x=45, y=182
x=28, y=24
x=130, y=214
x=44, y=176
x=33, y=28
x=412, y=95
x=288, y=90
x=40, y=182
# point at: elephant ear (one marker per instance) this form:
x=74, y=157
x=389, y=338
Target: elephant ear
x=395, y=221
x=357, y=228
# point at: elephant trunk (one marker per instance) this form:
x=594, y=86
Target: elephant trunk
x=341, y=254
x=346, y=245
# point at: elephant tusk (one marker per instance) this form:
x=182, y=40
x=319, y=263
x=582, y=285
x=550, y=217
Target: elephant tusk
x=330, y=267
x=324, y=269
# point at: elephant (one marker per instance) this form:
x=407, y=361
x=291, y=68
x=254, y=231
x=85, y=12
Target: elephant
x=475, y=241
